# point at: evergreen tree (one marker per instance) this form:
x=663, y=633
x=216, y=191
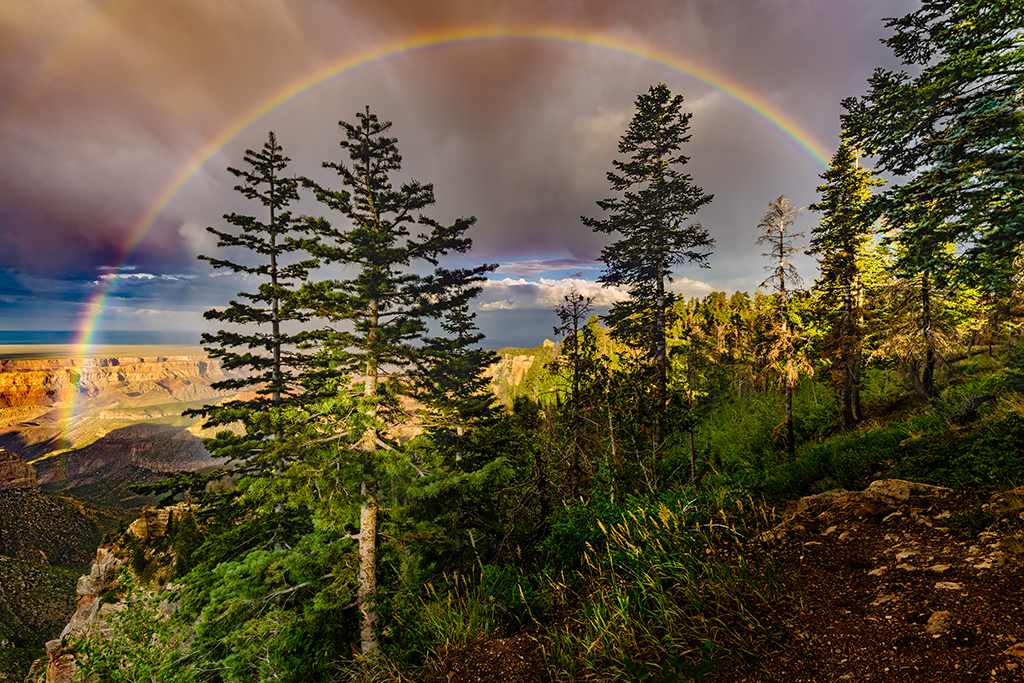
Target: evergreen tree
x=381, y=310
x=955, y=130
x=650, y=215
x=573, y=314
x=838, y=242
x=781, y=353
x=272, y=366
x=455, y=489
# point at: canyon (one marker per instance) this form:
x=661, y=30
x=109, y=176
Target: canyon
x=90, y=427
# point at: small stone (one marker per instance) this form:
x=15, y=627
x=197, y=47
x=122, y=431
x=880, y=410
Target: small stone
x=945, y=514
x=843, y=536
x=997, y=559
x=829, y=531
x=949, y=585
x=938, y=568
x=812, y=543
x=1015, y=650
x=877, y=571
x=902, y=555
x=938, y=623
x=906, y=567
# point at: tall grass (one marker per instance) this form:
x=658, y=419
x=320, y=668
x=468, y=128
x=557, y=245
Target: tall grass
x=665, y=593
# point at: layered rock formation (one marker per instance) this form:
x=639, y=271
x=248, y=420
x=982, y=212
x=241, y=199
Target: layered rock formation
x=91, y=427
x=15, y=473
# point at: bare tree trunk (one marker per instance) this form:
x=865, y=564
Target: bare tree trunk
x=368, y=568
x=928, y=373
x=662, y=363
x=368, y=510
x=790, y=438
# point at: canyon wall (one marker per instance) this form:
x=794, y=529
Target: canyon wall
x=91, y=427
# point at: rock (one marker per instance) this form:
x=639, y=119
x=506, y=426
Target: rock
x=820, y=500
x=949, y=585
x=15, y=473
x=153, y=522
x=1015, y=650
x=900, y=491
x=60, y=667
x=91, y=587
x=938, y=623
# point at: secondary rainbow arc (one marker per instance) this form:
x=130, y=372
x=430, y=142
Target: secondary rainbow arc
x=449, y=37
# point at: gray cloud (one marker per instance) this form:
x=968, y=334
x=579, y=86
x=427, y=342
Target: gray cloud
x=103, y=105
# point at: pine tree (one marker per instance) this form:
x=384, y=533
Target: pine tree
x=273, y=366
x=838, y=242
x=381, y=311
x=955, y=131
x=651, y=216
x=781, y=353
x=454, y=489
x=573, y=314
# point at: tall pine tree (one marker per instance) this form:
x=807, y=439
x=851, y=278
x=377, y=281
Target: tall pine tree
x=838, y=241
x=653, y=217
x=272, y=364
x=381, y=311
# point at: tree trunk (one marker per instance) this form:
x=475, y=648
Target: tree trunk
x=790, y=439
x=662, y=363
x=368, y=510
x=928, y=373
x=368, y=568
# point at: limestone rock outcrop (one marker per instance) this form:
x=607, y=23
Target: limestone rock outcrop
x=15, y=473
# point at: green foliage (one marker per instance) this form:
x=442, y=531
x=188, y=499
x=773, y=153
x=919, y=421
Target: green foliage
x=143, y=645
x=954, y=129
x=668, y=579
x=273, y=372
x=424, y=623
x=657, y=198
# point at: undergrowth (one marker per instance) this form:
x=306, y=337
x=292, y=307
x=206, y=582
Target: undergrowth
x=665, y=592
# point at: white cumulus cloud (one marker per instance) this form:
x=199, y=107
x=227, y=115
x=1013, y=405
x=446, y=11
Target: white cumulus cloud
x=544, y=293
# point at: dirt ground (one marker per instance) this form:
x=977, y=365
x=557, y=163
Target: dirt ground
x=900, y=583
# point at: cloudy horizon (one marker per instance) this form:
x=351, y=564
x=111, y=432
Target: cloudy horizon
x=105, y=109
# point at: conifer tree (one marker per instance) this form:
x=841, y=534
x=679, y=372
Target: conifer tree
x=573, y=314
x=453, y=489
x=781, y=354
x=381, y=310
x=272, y=364
x=954, y=130
x=652, y=217
x=838, y=242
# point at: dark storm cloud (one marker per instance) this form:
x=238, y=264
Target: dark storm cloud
x=103, y=104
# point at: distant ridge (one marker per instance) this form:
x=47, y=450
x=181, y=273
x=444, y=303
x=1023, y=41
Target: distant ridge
x=102, y=337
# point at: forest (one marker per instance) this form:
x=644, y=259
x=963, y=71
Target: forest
x=381, y=505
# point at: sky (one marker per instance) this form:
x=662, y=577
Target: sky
x=118, y=119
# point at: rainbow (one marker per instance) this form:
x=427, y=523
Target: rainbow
x=450, y=37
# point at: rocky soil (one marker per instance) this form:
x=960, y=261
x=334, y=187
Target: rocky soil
x=901, y=583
